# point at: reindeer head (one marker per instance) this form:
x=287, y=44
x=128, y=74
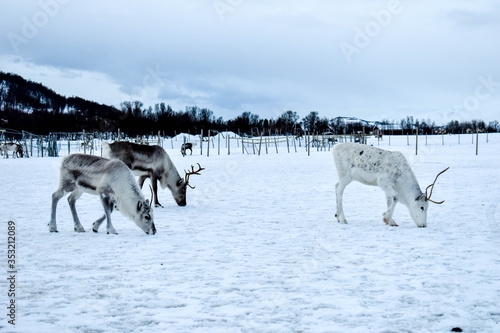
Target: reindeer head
x=144, y=216
x=179, y=192
x=418, y=209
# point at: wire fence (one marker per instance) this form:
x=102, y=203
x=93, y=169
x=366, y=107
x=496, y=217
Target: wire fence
x=217, y=143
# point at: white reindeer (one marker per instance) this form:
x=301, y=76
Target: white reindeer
x=16, y=149
x=151, y=162
x=112, y=181
x=388, y=170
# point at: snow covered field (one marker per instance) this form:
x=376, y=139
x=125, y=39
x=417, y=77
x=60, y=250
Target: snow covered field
x=258, y=249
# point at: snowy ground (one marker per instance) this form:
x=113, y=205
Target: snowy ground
x=258, y=249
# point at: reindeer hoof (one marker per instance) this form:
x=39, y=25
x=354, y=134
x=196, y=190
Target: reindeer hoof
x=390, y=222
x=95, y=231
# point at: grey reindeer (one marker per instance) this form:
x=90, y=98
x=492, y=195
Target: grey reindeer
x=112, y=181
x=151, y=162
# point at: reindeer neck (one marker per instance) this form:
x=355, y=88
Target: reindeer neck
x=126, y=194
x=409, y=189
x=171, y=172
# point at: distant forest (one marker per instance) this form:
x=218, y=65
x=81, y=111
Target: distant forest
x=32, y=107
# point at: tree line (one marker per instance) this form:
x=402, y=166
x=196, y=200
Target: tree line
x=32, y=107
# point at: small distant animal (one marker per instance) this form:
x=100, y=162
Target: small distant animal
x=142, y=141
x=16, y=149
x=88, y=143
x=387, y=169
x=151, y=162
x=112, y=181
x=186, y=146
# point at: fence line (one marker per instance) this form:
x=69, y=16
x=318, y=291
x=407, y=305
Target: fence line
x=54, y=143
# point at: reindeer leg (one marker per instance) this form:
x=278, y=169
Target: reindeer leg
x=56, y=196
x=154, y=181
x=392, y=200
x=141, y=180
x=97, y=224
x=339, y=191
x=72, y=200
x=108, y=209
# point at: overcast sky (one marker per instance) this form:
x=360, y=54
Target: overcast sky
x=370, y=59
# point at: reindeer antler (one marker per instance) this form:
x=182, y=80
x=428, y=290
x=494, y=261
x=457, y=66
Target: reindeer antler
x=192, y=172
x=428, y=197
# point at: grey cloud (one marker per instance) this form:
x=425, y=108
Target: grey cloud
x=267, y=56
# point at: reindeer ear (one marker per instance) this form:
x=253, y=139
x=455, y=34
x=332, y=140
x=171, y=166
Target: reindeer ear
x=420, y=196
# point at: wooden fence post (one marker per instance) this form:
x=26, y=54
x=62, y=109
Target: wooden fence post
x=416, y=142
x=201, y=142
x=477, y=141
x=208, y=144
x=260, y=143
x=83, y=141
x=309, y=144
